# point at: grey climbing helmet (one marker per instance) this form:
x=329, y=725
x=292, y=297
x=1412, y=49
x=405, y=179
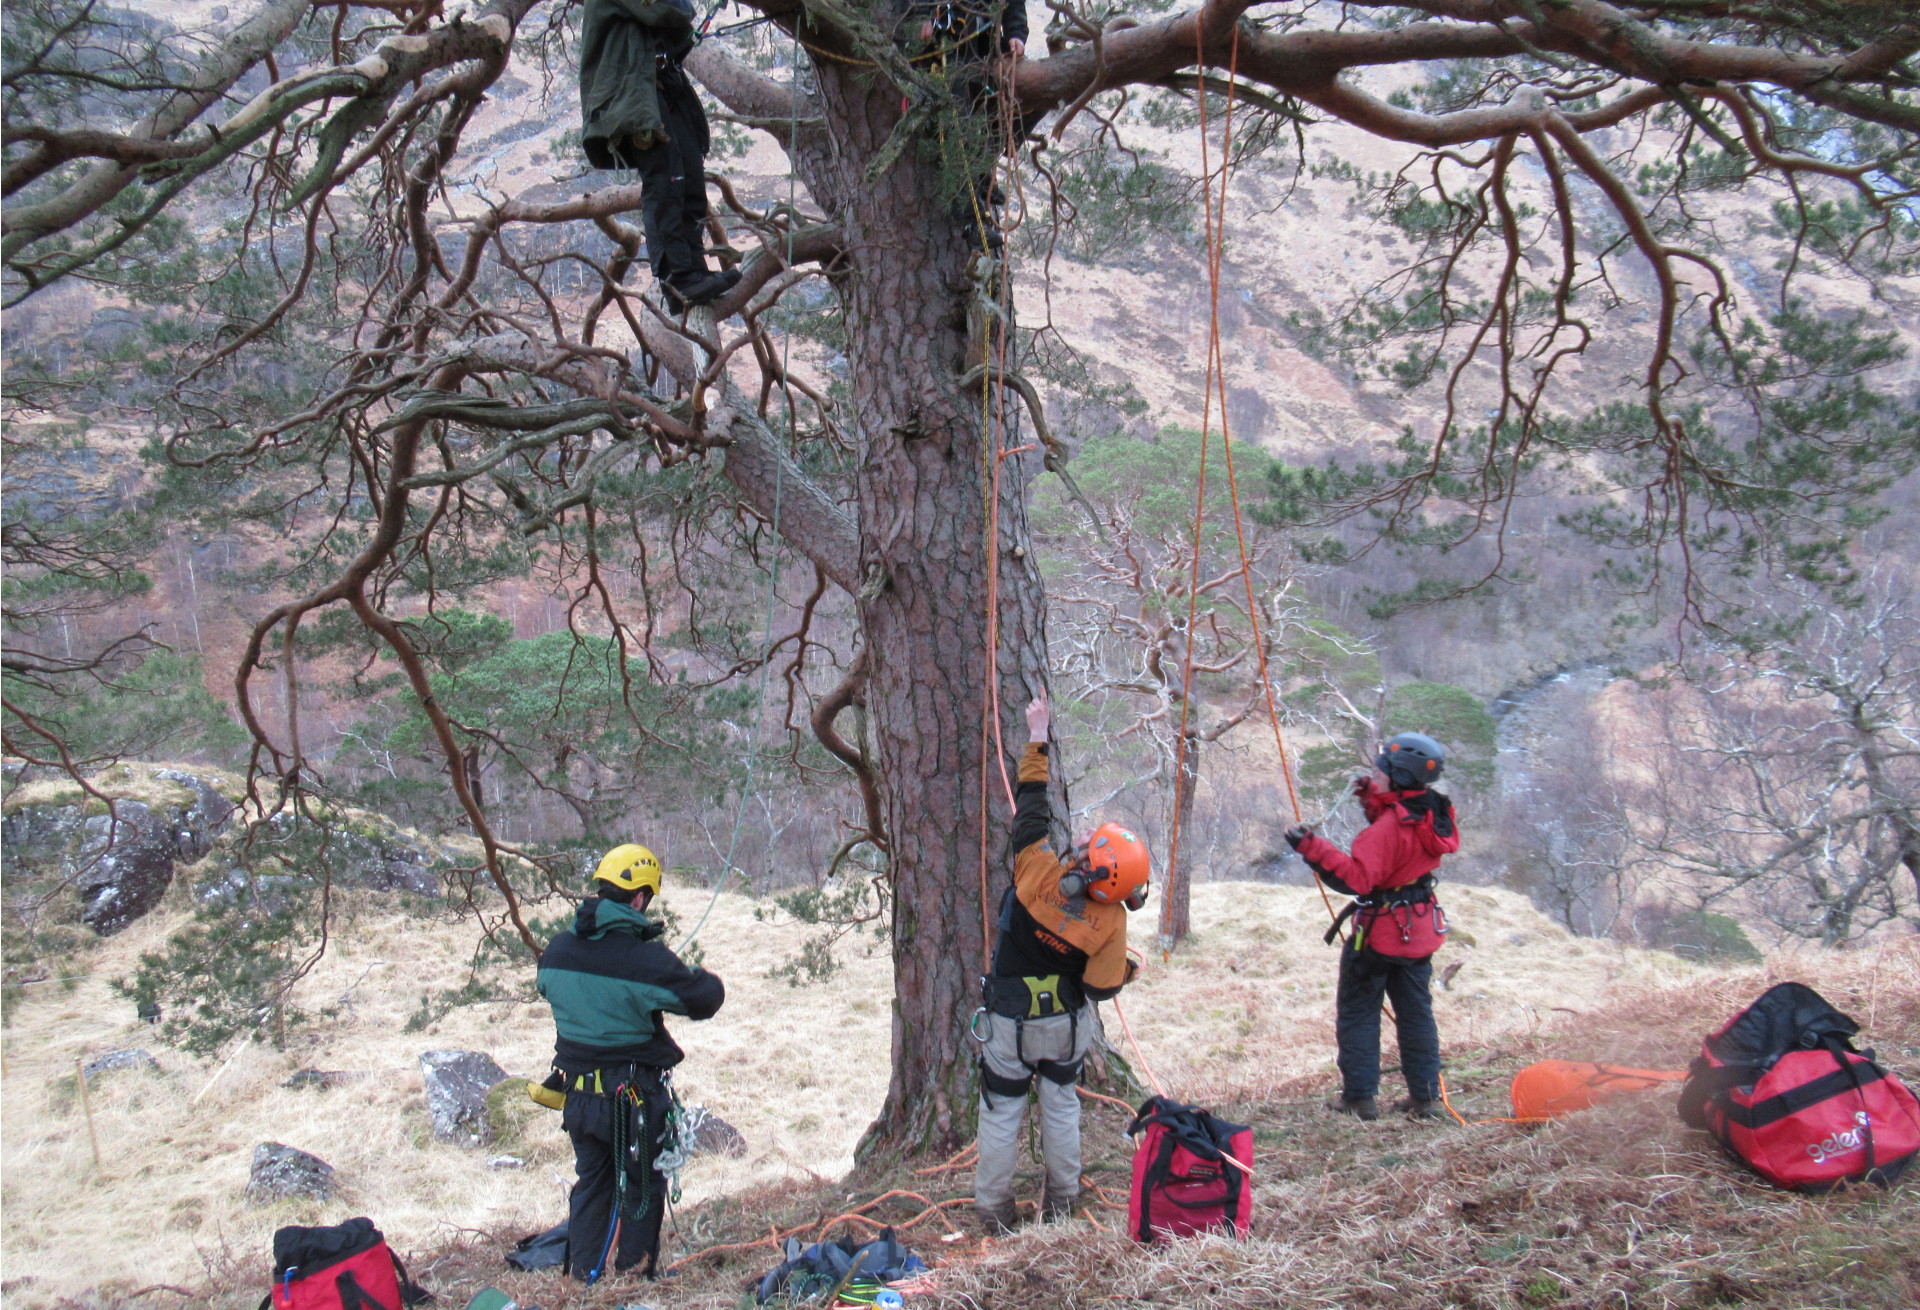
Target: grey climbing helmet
x=1412, y=759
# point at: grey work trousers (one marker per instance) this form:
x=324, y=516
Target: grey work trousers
x=1022, y=1051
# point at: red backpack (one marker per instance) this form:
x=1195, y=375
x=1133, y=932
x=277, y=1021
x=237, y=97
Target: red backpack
x=1191, y=1172
x=345, y=1267
x=1783, y=1089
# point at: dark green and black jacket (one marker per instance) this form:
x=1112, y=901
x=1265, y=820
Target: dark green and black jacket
x=609, y=979
x=630, y=51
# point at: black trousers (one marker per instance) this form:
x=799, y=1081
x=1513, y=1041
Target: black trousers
x=1366, y=977
x=594, y=1241
x=673, y=184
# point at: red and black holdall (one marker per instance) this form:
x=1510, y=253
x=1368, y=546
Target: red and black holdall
x=344, y=1267
x=1783, y=1089
x=1191, y=1172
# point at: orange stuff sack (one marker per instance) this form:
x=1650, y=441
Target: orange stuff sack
x=1555, y=1087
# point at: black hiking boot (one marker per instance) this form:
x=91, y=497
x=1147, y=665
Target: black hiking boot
x=1418, y=1107
x=692, y=289
x=998, y=1222
x=1365, y=1107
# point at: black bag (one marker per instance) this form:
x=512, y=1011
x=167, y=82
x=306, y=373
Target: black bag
x=546, y=1250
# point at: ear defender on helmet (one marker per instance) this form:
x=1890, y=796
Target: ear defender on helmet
x=1412, y=759
x=1117, y=867
x=630, y=868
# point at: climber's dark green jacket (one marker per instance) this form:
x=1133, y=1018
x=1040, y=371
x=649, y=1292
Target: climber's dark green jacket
x=609, y=979
x=619, y=79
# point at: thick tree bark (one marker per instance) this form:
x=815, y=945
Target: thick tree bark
x=922, y=491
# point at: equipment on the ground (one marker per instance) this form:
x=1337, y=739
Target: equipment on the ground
x=546, y=1250
x=492, y=1298
x=1551, y=1088
x=1191, y=1173
x=1412, y=759
x=1113, y=869
x=630, y=868
x=341, y=1267
x=850, y=1270
x=1782, y=1088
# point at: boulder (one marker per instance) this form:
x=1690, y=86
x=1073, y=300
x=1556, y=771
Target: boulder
x=281, y=1173
x=457, y=1084
x=113, y=1061
x=125, y=865
x=713, y=1135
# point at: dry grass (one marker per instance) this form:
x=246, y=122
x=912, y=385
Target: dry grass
x=1620, y=1206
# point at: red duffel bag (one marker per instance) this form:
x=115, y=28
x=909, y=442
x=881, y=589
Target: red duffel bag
x=1783, y=1089
x=1191, y=1172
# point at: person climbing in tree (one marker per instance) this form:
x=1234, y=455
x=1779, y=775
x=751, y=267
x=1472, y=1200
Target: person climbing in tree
x=609, y=979
x=639, y=110
x=1062, y=947
x=1398, y=924
x=964, y=37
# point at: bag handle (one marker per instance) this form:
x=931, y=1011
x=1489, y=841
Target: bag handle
x=1839, y=1049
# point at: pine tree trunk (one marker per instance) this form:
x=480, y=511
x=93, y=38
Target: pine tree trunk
x=922, y=490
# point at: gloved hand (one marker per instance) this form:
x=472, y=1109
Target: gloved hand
x=1297, y=834
x=1363, y=784
x=645, y=140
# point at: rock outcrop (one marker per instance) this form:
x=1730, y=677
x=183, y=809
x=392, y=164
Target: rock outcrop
x=119, y=863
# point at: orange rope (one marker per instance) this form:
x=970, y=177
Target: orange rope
x=1180, y=779
x=1469, y=1123
x=1110, y=1100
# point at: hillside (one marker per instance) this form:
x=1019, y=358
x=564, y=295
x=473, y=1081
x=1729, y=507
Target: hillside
x=1240, y=1019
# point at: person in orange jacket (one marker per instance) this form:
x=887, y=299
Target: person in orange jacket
x=1398, y=924
x=1062, y=947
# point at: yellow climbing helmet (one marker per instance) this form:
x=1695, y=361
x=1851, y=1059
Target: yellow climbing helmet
x=630, y=868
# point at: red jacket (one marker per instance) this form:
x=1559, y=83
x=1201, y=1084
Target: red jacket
x=1402, y=842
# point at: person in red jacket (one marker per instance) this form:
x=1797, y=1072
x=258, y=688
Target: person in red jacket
x=1397, y=923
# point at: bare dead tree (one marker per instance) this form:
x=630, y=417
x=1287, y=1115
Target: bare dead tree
x=1788, y=781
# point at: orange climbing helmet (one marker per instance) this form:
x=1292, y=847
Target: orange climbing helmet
x=1117, y=866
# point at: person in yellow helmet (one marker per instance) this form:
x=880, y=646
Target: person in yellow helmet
x=610, y=979
x=1062, y=946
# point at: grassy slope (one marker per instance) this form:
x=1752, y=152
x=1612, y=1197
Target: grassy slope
x=1619, y=1201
